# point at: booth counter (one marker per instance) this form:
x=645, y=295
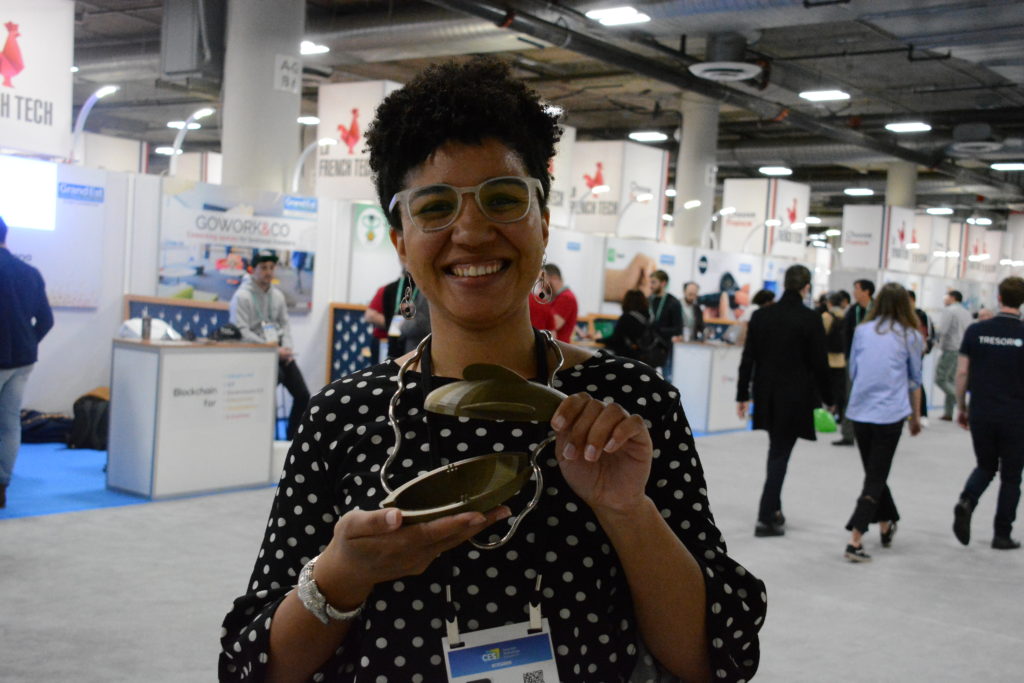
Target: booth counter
x=706, y=376
x=189, y=417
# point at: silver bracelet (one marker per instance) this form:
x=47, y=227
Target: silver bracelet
x=315, y=601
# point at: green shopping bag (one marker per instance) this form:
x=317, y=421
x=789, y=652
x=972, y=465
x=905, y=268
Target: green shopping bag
x=823, y=421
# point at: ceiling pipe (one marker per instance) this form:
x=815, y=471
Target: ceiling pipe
x=581, y=43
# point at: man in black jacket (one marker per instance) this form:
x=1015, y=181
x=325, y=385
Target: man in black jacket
x=863, y=294
x=25, y=318
x=785, y=356
x=666, y=314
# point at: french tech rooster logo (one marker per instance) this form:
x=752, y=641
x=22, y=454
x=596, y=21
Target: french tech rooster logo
x=350, y=135
x=596, y=180
x=791, y=212
x=11, y=62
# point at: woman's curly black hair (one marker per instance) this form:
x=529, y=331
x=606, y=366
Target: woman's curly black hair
x=466, y=102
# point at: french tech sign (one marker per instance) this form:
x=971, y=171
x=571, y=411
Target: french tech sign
x=36, y=49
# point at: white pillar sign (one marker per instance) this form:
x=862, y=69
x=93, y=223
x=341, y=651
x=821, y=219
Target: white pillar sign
x=766, y=211
x=288, y=73
x=345, y=111
x=899, y=232
x=36, y=44
x=618, y=188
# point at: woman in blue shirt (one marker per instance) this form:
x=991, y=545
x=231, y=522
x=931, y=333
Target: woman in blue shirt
x=885, y=367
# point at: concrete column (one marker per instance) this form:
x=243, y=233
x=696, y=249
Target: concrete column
x=696, y=169
x=901, y=184
x=260, y=138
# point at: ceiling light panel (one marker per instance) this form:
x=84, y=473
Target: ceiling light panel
x=824, y=95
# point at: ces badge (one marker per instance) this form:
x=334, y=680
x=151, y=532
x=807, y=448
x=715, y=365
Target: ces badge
x=506, y=654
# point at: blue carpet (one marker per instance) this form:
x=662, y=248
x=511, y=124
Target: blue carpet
x=50, y=478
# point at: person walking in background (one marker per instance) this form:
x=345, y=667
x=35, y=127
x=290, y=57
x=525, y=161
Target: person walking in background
x=863, y=291
x=784, y=357
x=951, y=327
x=693, y=314
x=564, y=307
x=260, y=312
x=885, y=366
x=381, y=312
x=764, y=297
x=666, y=315
x=991, y=367
x=25, y=318
x=835, y=345
x=928, y=334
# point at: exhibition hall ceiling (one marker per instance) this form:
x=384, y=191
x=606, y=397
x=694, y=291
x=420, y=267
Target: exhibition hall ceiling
x=957, y=66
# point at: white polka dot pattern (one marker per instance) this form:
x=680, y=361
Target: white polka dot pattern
x=332, y=468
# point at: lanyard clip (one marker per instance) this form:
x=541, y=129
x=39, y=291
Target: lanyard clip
x=535, y=616
x=451, y=622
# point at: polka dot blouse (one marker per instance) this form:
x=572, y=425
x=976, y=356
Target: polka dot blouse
x=333, y=467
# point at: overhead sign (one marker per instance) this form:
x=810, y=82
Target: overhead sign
x=862, y=236
x=36, y=51
x=900, y=239
x=766, y=216
x=345, y=111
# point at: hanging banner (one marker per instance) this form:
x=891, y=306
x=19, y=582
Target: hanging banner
x=921, y=256
x=209, y=233
x=745, y=206
x=345, y=110
x=596, y=186
x=980, y=253
x=560, y=168
x=899, y=229
x=862, y=236
x=61, y=231
x=374, y=261
x=36, y=54
x=788, y=208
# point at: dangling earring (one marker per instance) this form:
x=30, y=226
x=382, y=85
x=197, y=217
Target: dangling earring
x=541, y=291
x=407, y=307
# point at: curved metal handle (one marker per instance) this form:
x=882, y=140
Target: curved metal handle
x=529, y=506
x=393, y=412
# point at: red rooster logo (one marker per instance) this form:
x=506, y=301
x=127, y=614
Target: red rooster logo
x=595, y=180
x=350, y=135
x=902, y=233
x=11, y=62
x=791, y=212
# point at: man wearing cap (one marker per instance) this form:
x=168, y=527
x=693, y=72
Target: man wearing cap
x=260, y=312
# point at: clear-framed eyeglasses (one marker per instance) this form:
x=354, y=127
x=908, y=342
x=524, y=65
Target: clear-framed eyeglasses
x=434, y=207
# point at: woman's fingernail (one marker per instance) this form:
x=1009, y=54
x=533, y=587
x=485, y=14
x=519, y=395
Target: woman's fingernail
x=558, y=422
x=393, y=517
x=611, y=446
x=569, y=452
x=504, y=513
x=476, y=520
x=590, y=453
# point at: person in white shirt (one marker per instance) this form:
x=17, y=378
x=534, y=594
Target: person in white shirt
x=952, y=324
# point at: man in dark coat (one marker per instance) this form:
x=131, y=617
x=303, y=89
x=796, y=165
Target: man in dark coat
x=785, y=356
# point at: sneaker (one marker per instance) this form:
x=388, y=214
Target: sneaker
x=843, y=442
x=946, y=418
x=924, y=422
x=764, y=529
x=962, y=521
x=1005, y=543
x=856, y=554
x=887, y=535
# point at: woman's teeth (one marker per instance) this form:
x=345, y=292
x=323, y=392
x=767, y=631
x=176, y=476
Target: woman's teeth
x=475, y=270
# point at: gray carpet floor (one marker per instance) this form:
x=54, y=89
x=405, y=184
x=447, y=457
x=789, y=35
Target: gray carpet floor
x=137, y=593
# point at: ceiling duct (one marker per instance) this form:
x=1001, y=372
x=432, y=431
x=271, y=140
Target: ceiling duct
x=974, y=139
x=724, y=59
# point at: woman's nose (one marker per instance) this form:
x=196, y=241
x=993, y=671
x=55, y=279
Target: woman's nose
x=471, y=224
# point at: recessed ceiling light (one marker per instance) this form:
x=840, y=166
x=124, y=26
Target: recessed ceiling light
x=181, y=124
x=600, y=189
x=648, y=136
x=106, y=90
x=833, y=232
x=775, y=170
x=692, y=204
x=74, y=69
x=773, y=222
x=166, y=151
x=308, y=47
x=981, y=220
x=670, y=192
x=799, y=225
x=308, y=120
x=824, y=95
x=859, y=191
x=812, y=220
x=908, y=127
x=618, y=16
x=939, y=211
x=667, y=217
x=644, y=197
x=1008, y=166
x=553, y=110
x=727, y=210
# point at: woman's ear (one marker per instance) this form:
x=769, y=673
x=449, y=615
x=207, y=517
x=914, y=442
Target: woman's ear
x=545, y=216
x=398, y=240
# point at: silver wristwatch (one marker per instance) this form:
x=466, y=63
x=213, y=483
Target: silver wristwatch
x=313, y=600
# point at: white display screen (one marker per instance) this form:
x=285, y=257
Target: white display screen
x=28, y=193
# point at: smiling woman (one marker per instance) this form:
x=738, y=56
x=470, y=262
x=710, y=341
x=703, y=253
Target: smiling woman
x=620, y=556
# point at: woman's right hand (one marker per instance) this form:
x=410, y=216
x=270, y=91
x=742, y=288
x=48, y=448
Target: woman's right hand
x=369, y=547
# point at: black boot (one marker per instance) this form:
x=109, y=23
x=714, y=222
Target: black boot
x=962, y=512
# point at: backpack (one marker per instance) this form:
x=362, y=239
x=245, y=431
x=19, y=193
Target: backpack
x=650, y=348
x=91, y=420
x=37, y=427
x=835, y=340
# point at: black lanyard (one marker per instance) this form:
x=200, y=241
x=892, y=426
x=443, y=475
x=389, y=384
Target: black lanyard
x=426, y=383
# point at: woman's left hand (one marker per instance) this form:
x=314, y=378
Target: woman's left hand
x=603, y=451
